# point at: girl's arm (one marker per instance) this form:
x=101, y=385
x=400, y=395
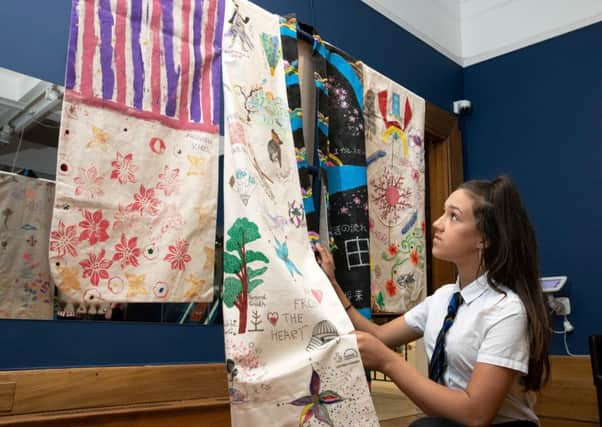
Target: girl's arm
x=475, y=406
x=394, y=333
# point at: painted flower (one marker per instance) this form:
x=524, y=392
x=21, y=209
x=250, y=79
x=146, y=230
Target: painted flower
x=391, y=288
x=145, y=201
x=168, y=181
x=128, y=251
x=314, y=404
x=95, y=227
x=178, y=255
x=393, y=249
x=64, y=240
x=170, y=219
x=123, y=220
x=416, y=175
x=123, y=169
x=88, y=183
x=414, y=258
x=95, y=267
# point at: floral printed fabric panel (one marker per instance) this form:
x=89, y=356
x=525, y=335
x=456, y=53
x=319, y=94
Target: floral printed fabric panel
x=135, y=210
x=394, y=120
x=292, y=358
x=26, y=290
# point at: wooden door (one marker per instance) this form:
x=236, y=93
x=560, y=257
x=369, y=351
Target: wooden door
x=444, y=172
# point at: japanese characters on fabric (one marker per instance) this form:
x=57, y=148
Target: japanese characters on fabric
x=26, y=290
x=341, y=157
x=292, y=358
x=394, y=121
x=136, y=198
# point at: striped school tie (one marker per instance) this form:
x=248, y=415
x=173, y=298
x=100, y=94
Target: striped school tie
x=438, y=360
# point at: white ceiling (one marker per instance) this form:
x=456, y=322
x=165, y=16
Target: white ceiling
x=471, y=31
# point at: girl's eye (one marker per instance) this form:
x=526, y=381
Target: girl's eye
x=454, y=217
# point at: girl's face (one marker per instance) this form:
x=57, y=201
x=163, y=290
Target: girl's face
x=455, y=235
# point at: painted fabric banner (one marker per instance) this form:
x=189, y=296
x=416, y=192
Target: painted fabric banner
x=136, y=199
x=394, y=120
x=339, y=155
x=26, y=291
x=292, y=358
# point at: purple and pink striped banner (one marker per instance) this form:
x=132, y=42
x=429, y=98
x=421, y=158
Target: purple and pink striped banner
x=152, y=59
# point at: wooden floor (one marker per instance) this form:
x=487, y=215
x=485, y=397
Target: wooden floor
x=395, y=410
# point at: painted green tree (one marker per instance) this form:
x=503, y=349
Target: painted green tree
x=243, y=278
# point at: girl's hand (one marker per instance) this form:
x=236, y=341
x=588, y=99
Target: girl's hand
x=325, y=260
x=374, y=352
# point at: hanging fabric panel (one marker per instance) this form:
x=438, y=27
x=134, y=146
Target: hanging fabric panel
x=136, y=201
x=394, y=120
x=340, y=196
x=292, y=358
x=26, y=290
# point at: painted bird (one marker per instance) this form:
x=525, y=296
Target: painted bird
x=282, y=252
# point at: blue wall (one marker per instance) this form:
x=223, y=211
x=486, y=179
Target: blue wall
x=537, y=115
x=35, y=34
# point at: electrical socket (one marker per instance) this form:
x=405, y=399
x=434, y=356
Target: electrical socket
x=562, y=306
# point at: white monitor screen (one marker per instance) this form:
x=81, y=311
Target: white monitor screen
x=552, y=284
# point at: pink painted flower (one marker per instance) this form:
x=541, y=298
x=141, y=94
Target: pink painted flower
x=88, y=183
x=123, y=169
x=123, y=220
x=168, y=181
x=95, y=267
x=95, y=227
x=64, y=240
x=416, y=175
x=178, y=255
x=128, y=251
x=145, y=201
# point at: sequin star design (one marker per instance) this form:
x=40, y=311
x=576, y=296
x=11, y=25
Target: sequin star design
x=314, y=404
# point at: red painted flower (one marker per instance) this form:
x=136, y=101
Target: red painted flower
x=64, y=240
x=393, y=249
x=391, y=288
x=95, y=227
x=178, y=255
x=414, y=257
x=145, y=201
x=123, y=169
x=128, y=251
x=95, y=267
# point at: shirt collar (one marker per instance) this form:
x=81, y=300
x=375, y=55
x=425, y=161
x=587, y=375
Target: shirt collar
x=474, y=289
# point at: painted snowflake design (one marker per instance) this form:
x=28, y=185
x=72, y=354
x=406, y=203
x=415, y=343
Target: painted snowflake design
x=390, y=196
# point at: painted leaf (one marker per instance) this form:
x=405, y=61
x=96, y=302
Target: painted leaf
x=252, y=273
x=254, y=283
x=242, y=232
x=232, y=264
x=255, y=256
x=232, y=287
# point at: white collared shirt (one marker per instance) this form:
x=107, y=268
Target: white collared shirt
x=489, y=327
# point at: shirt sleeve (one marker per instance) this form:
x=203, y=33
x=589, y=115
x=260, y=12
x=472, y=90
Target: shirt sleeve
x=416, y=317
x=506, y=342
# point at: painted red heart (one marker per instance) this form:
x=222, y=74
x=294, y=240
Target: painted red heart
x=273, y=317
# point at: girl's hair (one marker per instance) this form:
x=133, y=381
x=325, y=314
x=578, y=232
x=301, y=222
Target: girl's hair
x=510, y=258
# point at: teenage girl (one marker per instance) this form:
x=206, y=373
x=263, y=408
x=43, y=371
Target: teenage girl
x=486, y=336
